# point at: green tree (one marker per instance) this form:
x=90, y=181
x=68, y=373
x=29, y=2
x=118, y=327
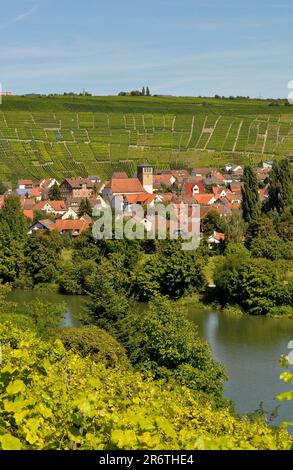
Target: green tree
x=42, y=254
x=108, y=302
x=237, y=249
x=76, y=278
x=171, y=271
x=257, y=285
x=85, y=208
x=143, y=91
x=234, y=228
x=211, y=223
x=13, y=236
x=250, y=196
x=148, y=93
x=164, y=342
x=55, y=193
x=259, y=228
x=281, y=186
x=271, y=247
x=284, y=224
x=13, y=224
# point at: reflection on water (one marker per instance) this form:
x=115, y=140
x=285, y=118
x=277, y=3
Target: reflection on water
x=73, y=304
x=250, y=348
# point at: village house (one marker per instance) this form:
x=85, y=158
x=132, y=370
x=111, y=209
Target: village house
x=193, y=187
x=25, y=184
x=203, y=172
x=236, y=187
x=77, y=188
x=205, y=199
x=70, y=214
x=56, y=208
x=119, y=187
x=72, y=227
x=122, y=186
x=47, y=183
x=219, y=192
x=33, y=194
x=162, y=182
x=130, y=200
x=216, y=239
x=43, y=225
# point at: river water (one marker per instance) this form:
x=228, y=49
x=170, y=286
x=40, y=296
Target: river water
x=249, y=347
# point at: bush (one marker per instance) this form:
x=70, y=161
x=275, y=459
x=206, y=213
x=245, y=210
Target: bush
x=171, y=272
x=272, y=248
x=95, y=343
x=257, y=285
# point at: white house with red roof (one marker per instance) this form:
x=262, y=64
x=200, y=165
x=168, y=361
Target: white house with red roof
x=205, y=199
x=193, y=187
x=216, y=239
x=51, y=207
x=130, y=200
x=47, y=183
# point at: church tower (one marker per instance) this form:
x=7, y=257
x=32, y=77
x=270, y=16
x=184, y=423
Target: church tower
x=145, y=174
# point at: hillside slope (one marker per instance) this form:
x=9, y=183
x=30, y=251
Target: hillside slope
x=65, y=136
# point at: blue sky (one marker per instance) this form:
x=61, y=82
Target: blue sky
x=180, y=47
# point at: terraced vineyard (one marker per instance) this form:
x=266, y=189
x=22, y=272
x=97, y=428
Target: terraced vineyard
x=62, y=137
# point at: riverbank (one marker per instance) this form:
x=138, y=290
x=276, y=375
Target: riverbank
x=198, y=301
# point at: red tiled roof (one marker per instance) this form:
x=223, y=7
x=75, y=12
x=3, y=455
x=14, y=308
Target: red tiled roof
x=236, y=187
x=188, y=188
x=168, y=197
x=140, y=198
x=35, y=192
x=72, y=225
x=29, y=214
x=22, y=182
x=218, y=176
x=163, y=180
x=27, y=204
x=45, y=182
x=77, y=182
x=219, y=236
x=202, y=171
x=56, y=205
x=204, y=210
x=204, y=198
x=126, y=185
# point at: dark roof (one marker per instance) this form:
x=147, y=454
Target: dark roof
x=78, y=182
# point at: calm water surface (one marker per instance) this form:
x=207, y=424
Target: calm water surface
x=73, y=304
x=250, y=348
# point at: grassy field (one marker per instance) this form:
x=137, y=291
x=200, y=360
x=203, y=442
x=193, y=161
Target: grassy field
x=66, y=136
